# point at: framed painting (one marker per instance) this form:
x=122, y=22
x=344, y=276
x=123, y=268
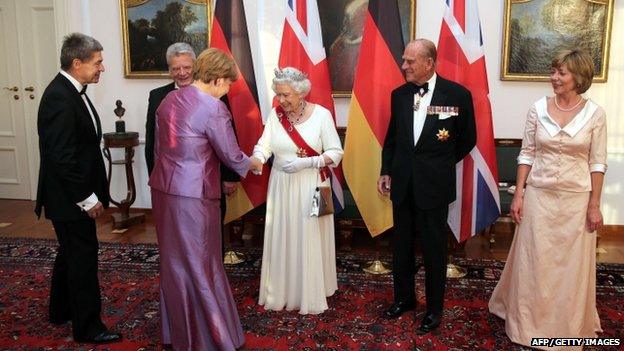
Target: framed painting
x=342, y=22
x=150, y=26
x=535, y=30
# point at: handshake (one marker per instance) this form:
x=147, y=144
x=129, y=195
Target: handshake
x=256, y=165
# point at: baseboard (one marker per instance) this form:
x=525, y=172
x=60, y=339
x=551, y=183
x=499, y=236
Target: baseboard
x=611, y=229
x=606, y=231
x=114, y=208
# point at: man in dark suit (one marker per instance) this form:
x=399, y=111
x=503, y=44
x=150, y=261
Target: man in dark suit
x=431, y=128
x=180, y=58
x=72, y=189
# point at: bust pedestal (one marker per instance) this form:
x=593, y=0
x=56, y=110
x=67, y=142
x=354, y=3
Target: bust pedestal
x=126, y=140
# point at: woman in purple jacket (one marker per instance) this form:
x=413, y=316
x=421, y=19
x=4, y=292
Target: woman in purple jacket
x=193, y=136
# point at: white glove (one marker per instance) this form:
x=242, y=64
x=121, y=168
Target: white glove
x=259, y=156
x=298, y=164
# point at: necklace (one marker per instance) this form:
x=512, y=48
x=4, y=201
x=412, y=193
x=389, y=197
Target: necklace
x=568, y=109
x=295, y=120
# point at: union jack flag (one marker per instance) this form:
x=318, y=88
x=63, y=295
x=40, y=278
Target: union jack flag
x=302, y=48
x=461, y=58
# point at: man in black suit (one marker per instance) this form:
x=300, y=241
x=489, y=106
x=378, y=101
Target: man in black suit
x=72, y=189
x=180, y=58
x=431, y=128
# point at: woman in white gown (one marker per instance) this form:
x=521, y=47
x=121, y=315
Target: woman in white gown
x=298, y=260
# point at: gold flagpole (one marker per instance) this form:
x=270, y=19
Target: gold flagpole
x=377, y=266
x=231, y=256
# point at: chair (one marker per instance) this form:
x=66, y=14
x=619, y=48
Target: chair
x=507, y=151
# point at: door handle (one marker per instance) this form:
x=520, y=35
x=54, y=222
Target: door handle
x=30, y=88
x=11, y=89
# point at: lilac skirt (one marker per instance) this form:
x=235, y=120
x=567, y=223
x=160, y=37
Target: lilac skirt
x=196, y=304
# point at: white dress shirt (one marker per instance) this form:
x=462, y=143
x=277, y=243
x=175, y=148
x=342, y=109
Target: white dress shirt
x=421, y=114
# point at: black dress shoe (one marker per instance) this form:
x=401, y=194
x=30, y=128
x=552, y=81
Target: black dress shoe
x=429, y=323
x=398, y=308
x=103, y=338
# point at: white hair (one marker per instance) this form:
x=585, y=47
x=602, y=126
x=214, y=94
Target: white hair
x=177, y=49
x=294, y=78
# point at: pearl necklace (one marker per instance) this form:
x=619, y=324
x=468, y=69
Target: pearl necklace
x=568, y=109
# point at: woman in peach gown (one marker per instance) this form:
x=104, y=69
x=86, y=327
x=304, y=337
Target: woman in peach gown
x=548, y=286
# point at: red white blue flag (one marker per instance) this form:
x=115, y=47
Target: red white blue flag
x=461, y=58
x=302, y=48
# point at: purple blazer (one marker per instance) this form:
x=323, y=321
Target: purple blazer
x=193, y=135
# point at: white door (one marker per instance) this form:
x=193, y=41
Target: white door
x=14, y=172
x=39, y=63
x=27, y=63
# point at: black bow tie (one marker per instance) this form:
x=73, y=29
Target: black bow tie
x=84, y=90
x=420, y=89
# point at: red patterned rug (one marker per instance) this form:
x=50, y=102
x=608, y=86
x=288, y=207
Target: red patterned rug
x=129, y=279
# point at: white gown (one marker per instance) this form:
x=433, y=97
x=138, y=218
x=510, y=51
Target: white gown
x=298, y=259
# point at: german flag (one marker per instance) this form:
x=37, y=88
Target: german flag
x=229, y=33
x=378, y=73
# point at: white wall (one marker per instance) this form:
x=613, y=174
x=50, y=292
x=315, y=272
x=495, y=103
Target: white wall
x=510, y=100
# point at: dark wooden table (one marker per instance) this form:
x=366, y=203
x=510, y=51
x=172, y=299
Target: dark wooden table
x=127, y=141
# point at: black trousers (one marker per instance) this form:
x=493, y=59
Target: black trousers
x=432, y=234
x=75, y=290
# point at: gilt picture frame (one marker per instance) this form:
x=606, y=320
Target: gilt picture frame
x=149, y=26
x=535, y=30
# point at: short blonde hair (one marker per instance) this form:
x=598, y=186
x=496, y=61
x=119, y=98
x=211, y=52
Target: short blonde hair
x=580, y=64
x=213, y=64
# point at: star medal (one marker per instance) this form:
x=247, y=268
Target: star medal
x=301, y=153
x=443, y=134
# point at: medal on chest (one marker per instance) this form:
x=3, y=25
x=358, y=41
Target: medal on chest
x=443, y=134
x=418, y=97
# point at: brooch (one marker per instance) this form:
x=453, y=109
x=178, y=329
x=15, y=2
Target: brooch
x=443, y=134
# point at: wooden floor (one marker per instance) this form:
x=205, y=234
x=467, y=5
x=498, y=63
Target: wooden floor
x=17, y=219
